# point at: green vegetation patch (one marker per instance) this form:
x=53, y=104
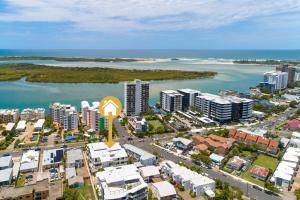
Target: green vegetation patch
x=263, y=161
x=43, y=73
x=21, y=180
x=82, y=193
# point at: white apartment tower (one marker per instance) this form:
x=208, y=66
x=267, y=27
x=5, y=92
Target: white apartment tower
x=136, y=97
x=171, y=100
x=276, y=78
x=65, y=115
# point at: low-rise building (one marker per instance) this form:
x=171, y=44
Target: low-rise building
x=52, y=158
x=75, y=158
x=10, y=126
x=144, y=157
x=6, y=176
x=262, y=143
x=21, y=126
x=259, y=172
x=30, y=161
x=29, y=114
x=149, y=172
x=293, y=124
x=235, y=163
x=123, y=182
x=182, y=143
x=39, y=125
x=163, y=190
x=100, y=155
x=138, y=124
x=6, y=162
x=7, y=115
x=40, y=190
x=190, y=180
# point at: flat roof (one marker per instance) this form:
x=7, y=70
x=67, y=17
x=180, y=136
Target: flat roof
x=5, y=174
x=106, y=154
x=39, y=123
x=9, y=126
x=74, y=155
x=5, y=161
x=30, y=160
x=149, y=171
x=164, y=188
x=52, y=156
x=143, y=154
x=21, y=125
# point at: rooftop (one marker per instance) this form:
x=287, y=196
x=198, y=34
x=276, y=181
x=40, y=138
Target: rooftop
x=5, y=174
x=149, y=171
x=260, y=171
x=74, y=155
x=52, y=156
x=143, y=154
x=5, y=161
x=164, y=188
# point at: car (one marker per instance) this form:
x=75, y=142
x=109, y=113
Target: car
x=256, y=187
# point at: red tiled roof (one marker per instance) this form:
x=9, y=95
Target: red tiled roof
x=221, y=139
x=236, y=161
x=294, y=123
x=260, y=171
x=251, y=137
x=273, y=143
x=232, y=132
x=201, y=147
x=198, y=138
x=240, y=134
x=262, y=140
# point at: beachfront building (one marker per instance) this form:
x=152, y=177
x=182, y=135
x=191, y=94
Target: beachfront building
x=136, y=97
x=142, y=156
x=224, y=109
x=171, y=100
x=39, y=125
x=123, y=182
x=188, y=98
x=9, y=115
x=101, y=156
x=30, y=114
x=92, y=118
x=65, y=116
x=275, y=80
x=190, y=180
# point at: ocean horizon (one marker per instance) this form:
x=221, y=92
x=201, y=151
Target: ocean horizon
x=21, y=94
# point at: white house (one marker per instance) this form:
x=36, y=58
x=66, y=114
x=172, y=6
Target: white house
x=163, y=190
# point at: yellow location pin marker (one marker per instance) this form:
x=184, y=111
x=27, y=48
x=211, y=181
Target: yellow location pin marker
x=110, y=107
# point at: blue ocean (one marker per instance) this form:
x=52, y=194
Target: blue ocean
x=21, y=94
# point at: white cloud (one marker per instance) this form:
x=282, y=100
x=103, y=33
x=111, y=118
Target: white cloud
x=145, y=15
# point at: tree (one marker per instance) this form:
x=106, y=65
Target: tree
x=297, y=193
x=293, y=104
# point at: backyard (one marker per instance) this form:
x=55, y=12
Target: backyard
x=84, y=192
x=155, y=126
x=263, y=161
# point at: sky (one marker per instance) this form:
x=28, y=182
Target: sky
x=149, y=24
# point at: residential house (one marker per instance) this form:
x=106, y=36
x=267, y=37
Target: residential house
x=149, y=172
x=6, y=176
x=52, y=158
x=142, y=156
x=75, y=158
x=163, y=190
x=251, y=139
x=240, y=136
x=235, y=163
x=182, y=143
x=293, y=124
x=263, y=143
x=273, y=147
x=30, y=161
x=259, y=172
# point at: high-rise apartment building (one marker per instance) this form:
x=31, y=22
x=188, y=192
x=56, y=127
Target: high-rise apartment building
x=92, y=118
x=136, y=97
x=188, y=98
x=171, y=100
x=224, y=109
x=276, y=80
x=65, y=115
x=7, y=115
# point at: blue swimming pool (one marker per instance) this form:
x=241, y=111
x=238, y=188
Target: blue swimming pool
x=70, y=137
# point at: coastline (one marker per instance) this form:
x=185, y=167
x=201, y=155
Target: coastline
x=51, y=74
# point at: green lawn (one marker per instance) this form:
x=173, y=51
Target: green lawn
x=155, y=123
x=21, y=180
x=263, y=161
x=83, y=193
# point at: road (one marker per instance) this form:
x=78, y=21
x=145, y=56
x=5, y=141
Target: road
x=145, y=144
